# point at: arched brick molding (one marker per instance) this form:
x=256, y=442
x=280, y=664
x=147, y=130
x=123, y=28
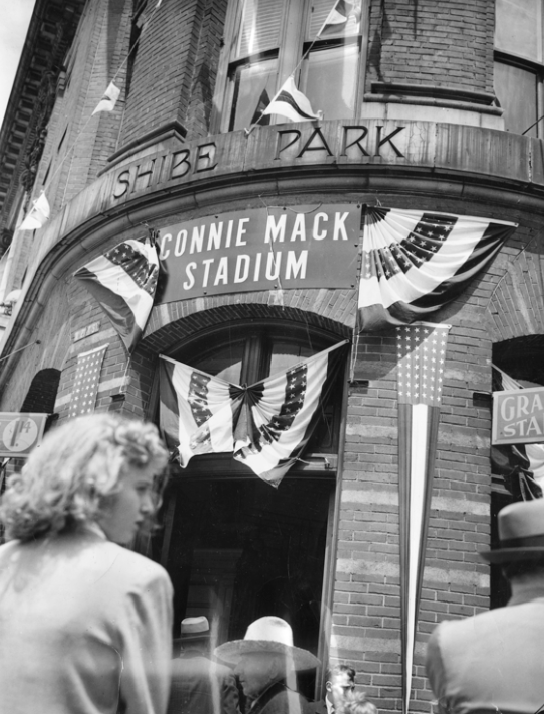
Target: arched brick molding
x=176, y=321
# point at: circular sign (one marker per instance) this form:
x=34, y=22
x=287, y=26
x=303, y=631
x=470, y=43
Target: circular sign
x=20, y=434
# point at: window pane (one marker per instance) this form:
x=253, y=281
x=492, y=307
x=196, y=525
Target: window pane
x=225, y=363
x=516, y=91
x=518, y=26
x=254, y=86
x=319, y=12
x=285, y=355
x=331, y=80
x=260, y=26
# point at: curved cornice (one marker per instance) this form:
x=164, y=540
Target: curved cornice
x=457, y=163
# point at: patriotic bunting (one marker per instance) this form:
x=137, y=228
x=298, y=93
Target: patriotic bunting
x=265, y=426
x=109, y=98
x=421, y=352
x=259, y=116
x=291, y=103
x=338, y=17
x=521, y=465
x=415, y=262
x=86, y=381
x=38, y=214
x=124, y=281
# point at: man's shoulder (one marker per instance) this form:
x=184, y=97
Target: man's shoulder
x=287, y=702
x=319, y=707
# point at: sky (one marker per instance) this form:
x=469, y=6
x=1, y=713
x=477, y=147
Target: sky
x=15, y=16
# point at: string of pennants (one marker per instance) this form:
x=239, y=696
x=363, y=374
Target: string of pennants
x=288, y=101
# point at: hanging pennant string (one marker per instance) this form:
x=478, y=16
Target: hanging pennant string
x=111, y=84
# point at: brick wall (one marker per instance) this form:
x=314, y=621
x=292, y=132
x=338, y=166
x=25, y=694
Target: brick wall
x=162, y=74
x=447, y=42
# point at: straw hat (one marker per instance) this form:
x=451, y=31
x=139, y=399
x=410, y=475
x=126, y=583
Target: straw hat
x=194, y=628
x=521, y=533
x=268, y=634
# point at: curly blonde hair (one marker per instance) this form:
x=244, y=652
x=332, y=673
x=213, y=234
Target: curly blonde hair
x=75, y=471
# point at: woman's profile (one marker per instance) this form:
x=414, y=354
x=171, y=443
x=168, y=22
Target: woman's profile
x=85, y=624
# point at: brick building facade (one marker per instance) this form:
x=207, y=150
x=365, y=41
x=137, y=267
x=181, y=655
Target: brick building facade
x=426, y=117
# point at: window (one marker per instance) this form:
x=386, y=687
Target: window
x=270, y=39
x=519, y=64
x=236, y=548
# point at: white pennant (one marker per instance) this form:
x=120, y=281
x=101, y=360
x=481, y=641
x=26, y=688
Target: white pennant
x=38, y=214
x=108, y=100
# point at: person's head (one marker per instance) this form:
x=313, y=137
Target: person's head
x=265, y=655
x=521, y=536
x=340, y=683
x=357, y=703
x=258, y=670
x=97, y=468
x=194, y=634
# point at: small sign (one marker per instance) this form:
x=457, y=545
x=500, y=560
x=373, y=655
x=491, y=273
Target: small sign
x=20, y=433
x=518, y=416
x=86, y=331
x=273, y=248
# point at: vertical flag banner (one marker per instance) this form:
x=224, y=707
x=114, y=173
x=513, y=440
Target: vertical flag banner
x=520, y=465
x=109, y=98
x=339, y=16
x=38, y=214
x=124, y=282
x=421, y=352
x=86, y=381
x=291, y=103
x=415, y=262
x=266, y=426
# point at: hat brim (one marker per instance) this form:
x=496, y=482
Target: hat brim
x=512, y=555
x=191, y=638
x=230, y=652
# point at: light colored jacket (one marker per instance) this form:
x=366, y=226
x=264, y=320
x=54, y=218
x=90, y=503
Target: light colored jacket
x=85, y=628
x=493, y=661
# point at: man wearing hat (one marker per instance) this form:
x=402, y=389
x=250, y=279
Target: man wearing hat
x=199, y=685
x=266, y=662
x=494, y=662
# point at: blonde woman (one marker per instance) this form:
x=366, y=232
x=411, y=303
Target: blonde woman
x=85, y=624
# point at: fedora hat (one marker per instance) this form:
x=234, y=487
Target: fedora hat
x=194, y=628
x=521, y=533
x=267, y=634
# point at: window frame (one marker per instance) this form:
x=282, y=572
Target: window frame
x=290, y=49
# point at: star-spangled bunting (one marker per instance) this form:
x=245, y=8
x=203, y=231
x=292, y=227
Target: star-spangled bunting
x=265, y=426
x=124, y=281
x=421, y=355
x=86, y=381
x=415, y=262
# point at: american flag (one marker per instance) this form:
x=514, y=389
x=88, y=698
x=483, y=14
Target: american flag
x=421, y=355
x=86, y=381
x=415, y=262
x=265, y=426
x=124, y=282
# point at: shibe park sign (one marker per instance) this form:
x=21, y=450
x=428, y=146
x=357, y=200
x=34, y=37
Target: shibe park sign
x=518, y=416
x=267, y=248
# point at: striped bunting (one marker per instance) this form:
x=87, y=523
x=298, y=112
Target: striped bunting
x=265, y=426
x=291, y=103
x=421, y=353
x=415, y=262
x=124, y=281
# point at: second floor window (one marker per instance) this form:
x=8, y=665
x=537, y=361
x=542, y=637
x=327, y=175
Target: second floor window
x=519, y=64
x=268, y=40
